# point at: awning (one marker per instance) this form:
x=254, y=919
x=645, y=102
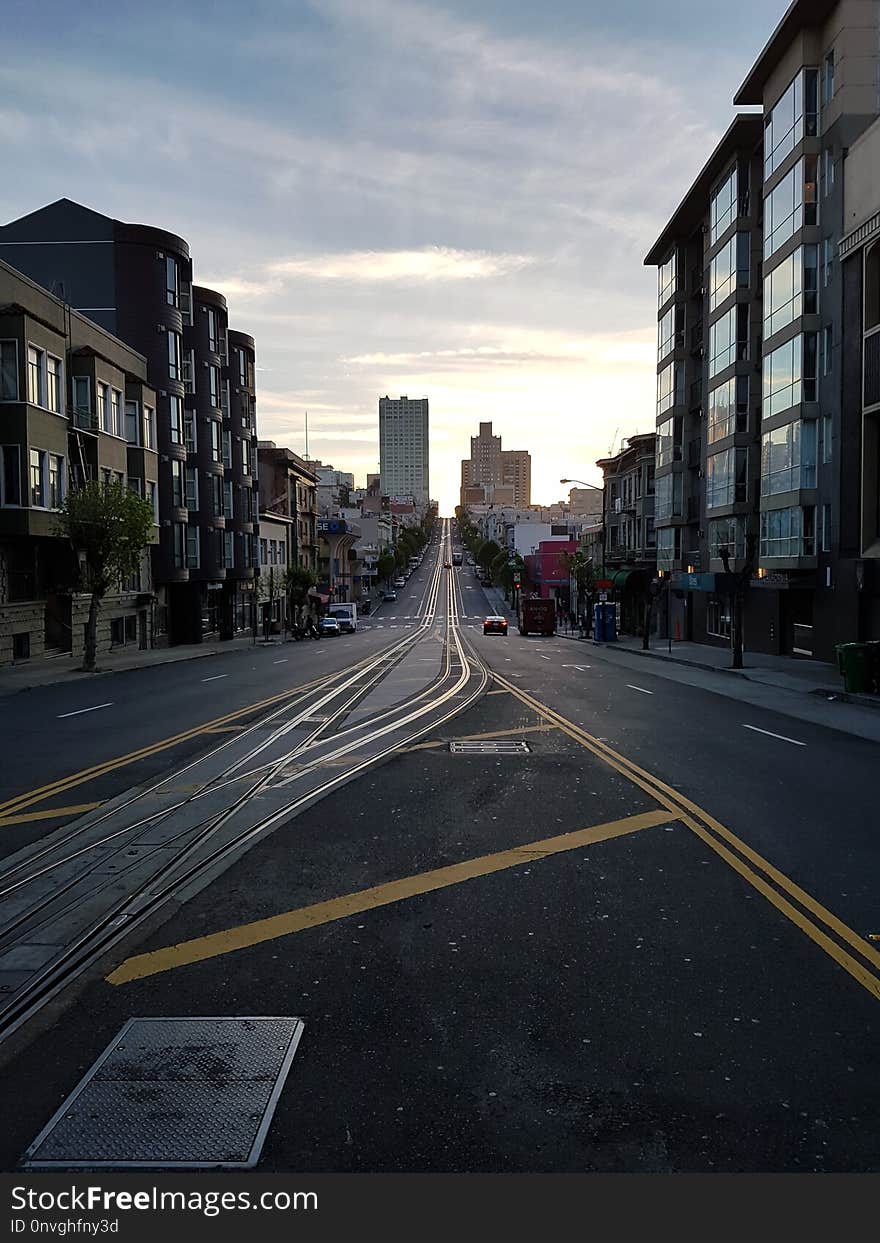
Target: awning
x=620, y=578
x=316, y=595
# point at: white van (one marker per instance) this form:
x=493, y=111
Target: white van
x=346, y=615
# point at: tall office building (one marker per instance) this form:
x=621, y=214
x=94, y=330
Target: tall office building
x=493, y=474
x=403, y=448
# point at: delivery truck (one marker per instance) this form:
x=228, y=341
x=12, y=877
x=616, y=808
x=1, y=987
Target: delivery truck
x=537, y=616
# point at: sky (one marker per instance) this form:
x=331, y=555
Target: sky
x=446, y=199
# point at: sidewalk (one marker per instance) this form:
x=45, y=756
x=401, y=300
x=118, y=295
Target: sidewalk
x=54, y=670
x=813, y=677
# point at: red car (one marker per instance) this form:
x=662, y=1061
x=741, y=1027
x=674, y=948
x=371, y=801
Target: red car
x=495, y=625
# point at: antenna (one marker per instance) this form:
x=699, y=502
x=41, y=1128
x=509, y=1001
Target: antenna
x=307, y=434
x=613, y=442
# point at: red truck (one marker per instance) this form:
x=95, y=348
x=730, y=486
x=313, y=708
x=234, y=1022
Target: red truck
x=537, y=616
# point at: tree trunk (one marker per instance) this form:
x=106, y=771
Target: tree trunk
x=90, y=656
x=736, y=630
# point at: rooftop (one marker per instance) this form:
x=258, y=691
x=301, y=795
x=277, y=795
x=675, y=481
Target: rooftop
x=800, y=13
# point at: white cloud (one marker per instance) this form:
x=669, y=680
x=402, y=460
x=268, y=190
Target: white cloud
x=432, y=263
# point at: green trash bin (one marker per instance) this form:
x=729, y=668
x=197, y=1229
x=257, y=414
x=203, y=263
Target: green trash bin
x=854, y=662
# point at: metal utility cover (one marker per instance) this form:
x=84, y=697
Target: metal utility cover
x=182, y=1093
x=490, y=746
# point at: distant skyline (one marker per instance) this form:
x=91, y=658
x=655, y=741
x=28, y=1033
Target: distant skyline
x=446, y=200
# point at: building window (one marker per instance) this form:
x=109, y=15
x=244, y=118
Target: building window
x=189, y=430
x=10, y=475
x=153, y=498
x=790, y=290
x=791, y=118
x=179, y=544
x=788, y=532
x=8, y=371
x=791, y=205
x=826, y=528
x=728, y=269
x=227, y=498
x=827, y=261
x=149, y=428
x=245, y=456
x=668, y=547
x=827, y=170
x=670, y=389
x=827, y=346
x=38, y=486
x=728, y=409
x=242, y=368
x=116, y=412
x=667, y=501
x=718, y=617
x=215, y=440
x=213, y=335
x=56, y=481
x=177, y=492
x=788, y=458
x=217, y=495
x=828, y=79
x=175, y=420
x=228, y=550
x=227, y=447
x=724, y=339
x=172, y=285
x=826, y=438
x=729, y=533
x=82, y=394
x=726, y=478
x=192, y=547
x=174, y=367
x=723, y=207
x=132, y=422
x=35, y=374
x=54, y=385
x=192, y=488
x=670, y=333
x=189, y=371
x=789, y=375
x=214, y=383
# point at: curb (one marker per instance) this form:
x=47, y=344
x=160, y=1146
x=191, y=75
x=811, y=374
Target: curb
x=827, y=693
x=157, y=664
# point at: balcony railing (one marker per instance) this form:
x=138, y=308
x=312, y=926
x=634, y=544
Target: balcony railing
x=86, y=419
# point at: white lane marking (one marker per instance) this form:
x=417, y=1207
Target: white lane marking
x=540, y=657
x=216, y=677
x=79, y=711
x=280, y=662
x=639, y=688
x=770, y=734
x=580, y=668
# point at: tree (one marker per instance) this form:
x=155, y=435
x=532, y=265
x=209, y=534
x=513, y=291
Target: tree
x=738, y=583
x=109, y=526
x=385, y=566
x=298, y=581
x=502, y=572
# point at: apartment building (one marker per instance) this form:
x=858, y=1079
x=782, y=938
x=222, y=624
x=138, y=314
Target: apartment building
x=404, y=458
x=289, y=488
x=629, y=553
x=75, y=405
x=492, y=475
x=136, y=282
x=756, y=445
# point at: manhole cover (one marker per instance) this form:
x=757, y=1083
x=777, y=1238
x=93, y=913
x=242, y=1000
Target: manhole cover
x=177, y=1092
x=490, y=746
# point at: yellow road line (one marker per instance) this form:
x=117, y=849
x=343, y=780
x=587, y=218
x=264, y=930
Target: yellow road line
x=231, y=939
x=41, y=793
x=492, y=733
x=681, y=806
x=76, y=810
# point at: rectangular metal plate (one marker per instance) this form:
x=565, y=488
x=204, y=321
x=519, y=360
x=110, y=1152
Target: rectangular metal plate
x=175, y=1093
x=490, y=746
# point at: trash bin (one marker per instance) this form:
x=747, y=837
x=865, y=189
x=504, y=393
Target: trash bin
x=854, y=660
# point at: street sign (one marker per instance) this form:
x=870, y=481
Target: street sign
x=604, y=584
x=603, y=596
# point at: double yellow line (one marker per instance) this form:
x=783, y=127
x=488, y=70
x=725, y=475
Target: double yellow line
x=780, y=890
x=14, y=805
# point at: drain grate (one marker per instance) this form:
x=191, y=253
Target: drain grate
x=490, y=746
x=186, y=1093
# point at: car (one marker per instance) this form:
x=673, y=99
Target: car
x=495, y=625
x=329, y=625
x=389, y=596
x=447, y=565
x=400, y=581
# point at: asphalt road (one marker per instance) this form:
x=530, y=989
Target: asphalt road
x=630, y=1003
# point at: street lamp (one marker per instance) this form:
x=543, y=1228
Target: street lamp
x=595, y=488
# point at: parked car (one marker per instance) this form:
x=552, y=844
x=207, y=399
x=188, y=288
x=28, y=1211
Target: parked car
x=329, y=625
x=495, y=625
x=389, y=596
x=400, y=581
x=346, y=615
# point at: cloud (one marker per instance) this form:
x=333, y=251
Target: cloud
x=432, y=263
